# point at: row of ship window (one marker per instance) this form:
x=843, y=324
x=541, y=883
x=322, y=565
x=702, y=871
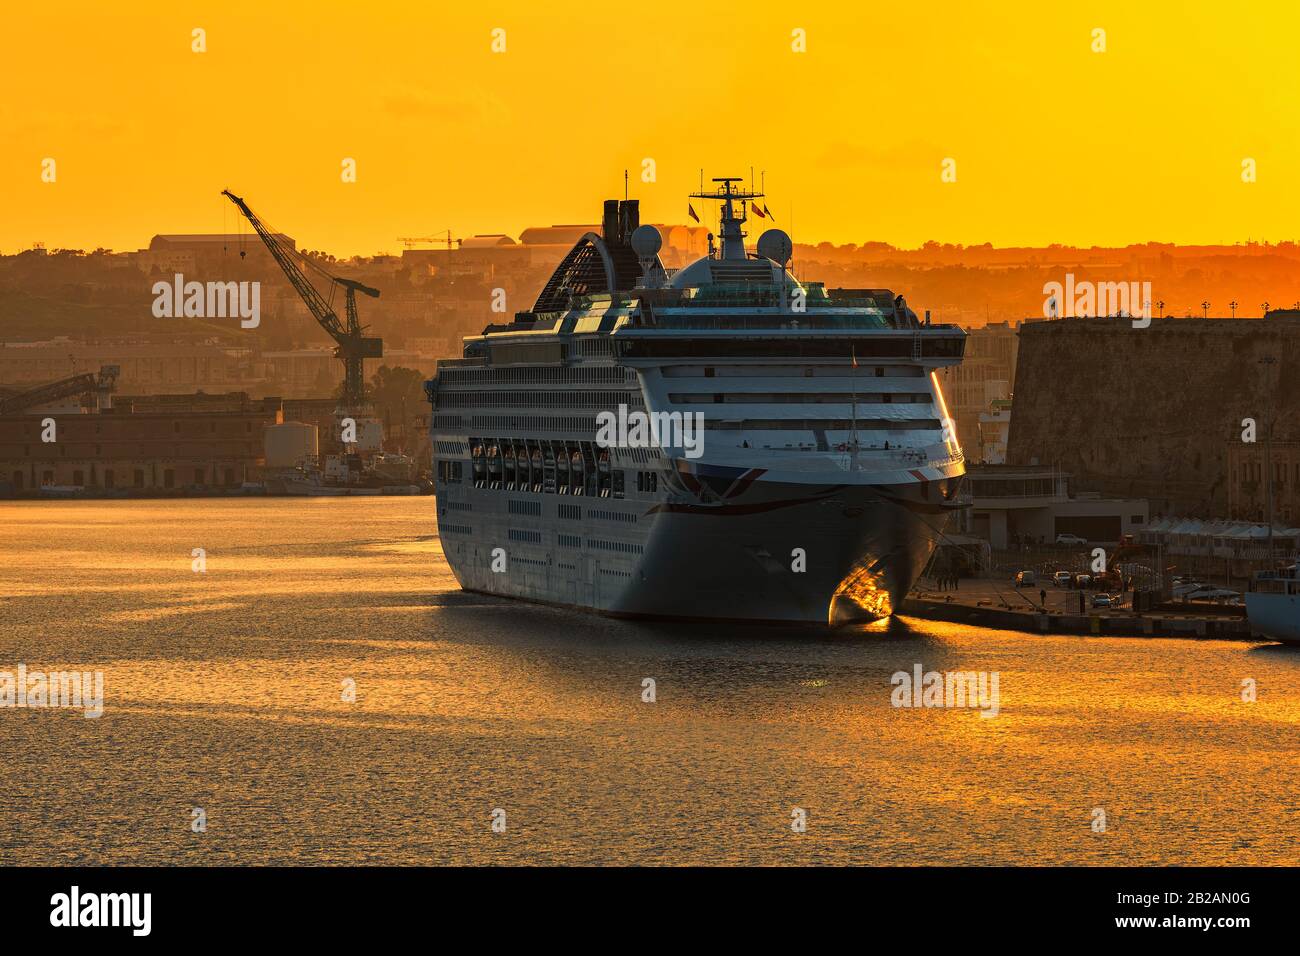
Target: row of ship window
x=510, y=398
x=610, y=400
x=543, y=467
x=798, y=398
x=524, y=375
x=581, y=423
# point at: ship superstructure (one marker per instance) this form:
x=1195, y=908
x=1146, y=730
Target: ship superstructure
x=722, y=441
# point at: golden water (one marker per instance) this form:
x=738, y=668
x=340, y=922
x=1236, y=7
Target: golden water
x=224, y=690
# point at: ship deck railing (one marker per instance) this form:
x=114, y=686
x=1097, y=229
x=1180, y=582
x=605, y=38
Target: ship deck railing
x=776, y=320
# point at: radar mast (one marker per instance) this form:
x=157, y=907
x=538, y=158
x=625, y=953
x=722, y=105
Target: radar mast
x=733, y=238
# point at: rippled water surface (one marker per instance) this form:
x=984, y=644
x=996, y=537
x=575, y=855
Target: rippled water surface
x=224, y=691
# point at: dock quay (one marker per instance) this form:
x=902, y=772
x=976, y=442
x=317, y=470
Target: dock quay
x=981, y=603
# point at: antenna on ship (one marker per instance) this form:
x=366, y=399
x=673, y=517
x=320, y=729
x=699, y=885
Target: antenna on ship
x=730, y=221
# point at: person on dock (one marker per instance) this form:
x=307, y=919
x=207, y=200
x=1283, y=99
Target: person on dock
x=1042, y=598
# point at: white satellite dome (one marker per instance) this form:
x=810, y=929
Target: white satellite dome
x=646, y=241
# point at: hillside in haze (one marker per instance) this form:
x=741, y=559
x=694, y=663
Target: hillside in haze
x=89, y=295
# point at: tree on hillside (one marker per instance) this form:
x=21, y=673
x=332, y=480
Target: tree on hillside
x=397, y=394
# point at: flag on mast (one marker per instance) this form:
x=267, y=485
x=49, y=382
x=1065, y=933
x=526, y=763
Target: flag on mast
x=691, y=209
x=768, y=213
x=757, y=211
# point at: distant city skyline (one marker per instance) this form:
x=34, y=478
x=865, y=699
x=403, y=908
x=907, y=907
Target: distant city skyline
x=396, y=249
x=1048, y=137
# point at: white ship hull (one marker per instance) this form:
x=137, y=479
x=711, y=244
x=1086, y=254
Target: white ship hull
x=780, y=552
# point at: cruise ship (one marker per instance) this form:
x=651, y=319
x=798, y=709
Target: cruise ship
x=720, y=441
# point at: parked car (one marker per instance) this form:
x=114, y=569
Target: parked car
x=1083, y=581
x=1062, y=579
x=1070, y=539
x=1026, y=578
x=1102, y=600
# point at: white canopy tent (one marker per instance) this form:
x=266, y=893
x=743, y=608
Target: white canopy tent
x=1219, y=538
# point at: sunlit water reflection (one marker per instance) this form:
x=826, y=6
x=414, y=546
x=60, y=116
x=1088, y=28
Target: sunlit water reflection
x=224, y=690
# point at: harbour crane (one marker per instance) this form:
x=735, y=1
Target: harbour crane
x=86, y=383
x=352, y=345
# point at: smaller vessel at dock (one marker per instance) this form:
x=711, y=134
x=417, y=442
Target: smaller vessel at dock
x=1273, y=605
x=350, y=474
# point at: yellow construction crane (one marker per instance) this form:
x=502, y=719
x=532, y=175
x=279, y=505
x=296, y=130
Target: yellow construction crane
x=412, y=241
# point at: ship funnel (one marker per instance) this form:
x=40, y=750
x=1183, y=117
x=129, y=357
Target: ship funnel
x=609, y=224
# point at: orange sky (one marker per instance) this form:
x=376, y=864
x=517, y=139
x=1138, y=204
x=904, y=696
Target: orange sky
x=1052, y=142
